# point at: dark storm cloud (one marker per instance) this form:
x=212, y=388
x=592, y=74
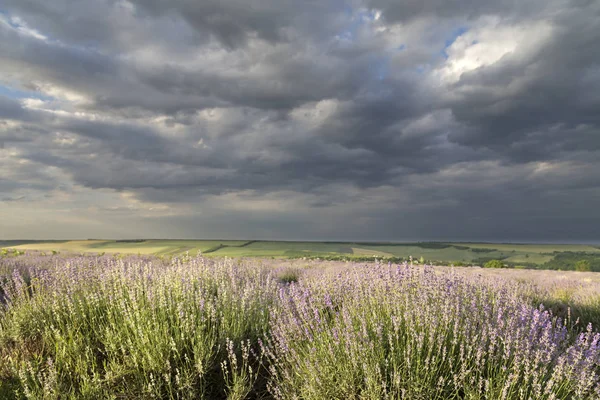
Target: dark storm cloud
x=405, y=11
x=357, y=118
x=11, y=109
x=295, y=79
x=286, y=78
x=78, y=22
x=232, y=22
x=554, y=91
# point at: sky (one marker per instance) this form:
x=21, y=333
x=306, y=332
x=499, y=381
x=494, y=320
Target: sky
x=300, y=119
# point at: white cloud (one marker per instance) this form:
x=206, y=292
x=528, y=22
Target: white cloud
x=489, y=42
x=315, y=113
x=18, y=25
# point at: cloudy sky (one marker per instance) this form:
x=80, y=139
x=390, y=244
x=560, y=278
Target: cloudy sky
x=300, y=119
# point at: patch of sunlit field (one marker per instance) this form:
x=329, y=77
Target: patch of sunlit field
x=360, y=251
x=65, y=246
x=522, y=257
x=284, y=249
x=156, y=247
x=193, y=327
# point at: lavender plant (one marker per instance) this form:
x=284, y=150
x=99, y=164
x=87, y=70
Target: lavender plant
x=190, y=327
x=407, y=333
x=105, y=327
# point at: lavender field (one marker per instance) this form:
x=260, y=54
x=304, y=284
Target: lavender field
x=197, y=328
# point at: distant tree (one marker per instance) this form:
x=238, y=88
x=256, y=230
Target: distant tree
x=494, y=264
x=583, y=266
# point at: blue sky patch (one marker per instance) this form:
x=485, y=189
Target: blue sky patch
x=453, y=36
x=22, y=94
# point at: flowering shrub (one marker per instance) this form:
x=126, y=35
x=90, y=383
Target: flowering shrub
x=105, y=327
x=409, y=333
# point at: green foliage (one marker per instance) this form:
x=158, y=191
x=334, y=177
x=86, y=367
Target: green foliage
x=484, y=260
x=482, y=250
x=460, y=247
x=494, y=264
x=11, y=253
x=214, y=248
x=433, y=245
x=8, y=387
x=567, y=260
x=583, y=266
x=290, y=275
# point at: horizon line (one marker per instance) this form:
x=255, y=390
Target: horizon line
x=315, y=241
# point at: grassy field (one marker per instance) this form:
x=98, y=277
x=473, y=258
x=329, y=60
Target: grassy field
x=286, y=249
x=450, y=253
x=532, y=248
x=155, y=247
x=550, y=256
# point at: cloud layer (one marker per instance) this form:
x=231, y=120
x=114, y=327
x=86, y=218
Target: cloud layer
x=366, y=119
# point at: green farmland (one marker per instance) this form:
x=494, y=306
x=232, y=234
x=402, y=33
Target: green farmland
x=551, y=256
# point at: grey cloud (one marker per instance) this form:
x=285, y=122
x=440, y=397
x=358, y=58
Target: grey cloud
x=265, y=116
x=119, y=29
x=105, y=81
x=229, y=21
x=556, y=92
x=232, y=22
x=407, y=10
x=12, y=199
x=11, y=109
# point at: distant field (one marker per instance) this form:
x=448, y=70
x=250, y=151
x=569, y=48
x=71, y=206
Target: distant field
x=157, y=247
x=552, y=256
x=532, y=248
x=361, y=251
x=534, y=258
x=286, y=249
